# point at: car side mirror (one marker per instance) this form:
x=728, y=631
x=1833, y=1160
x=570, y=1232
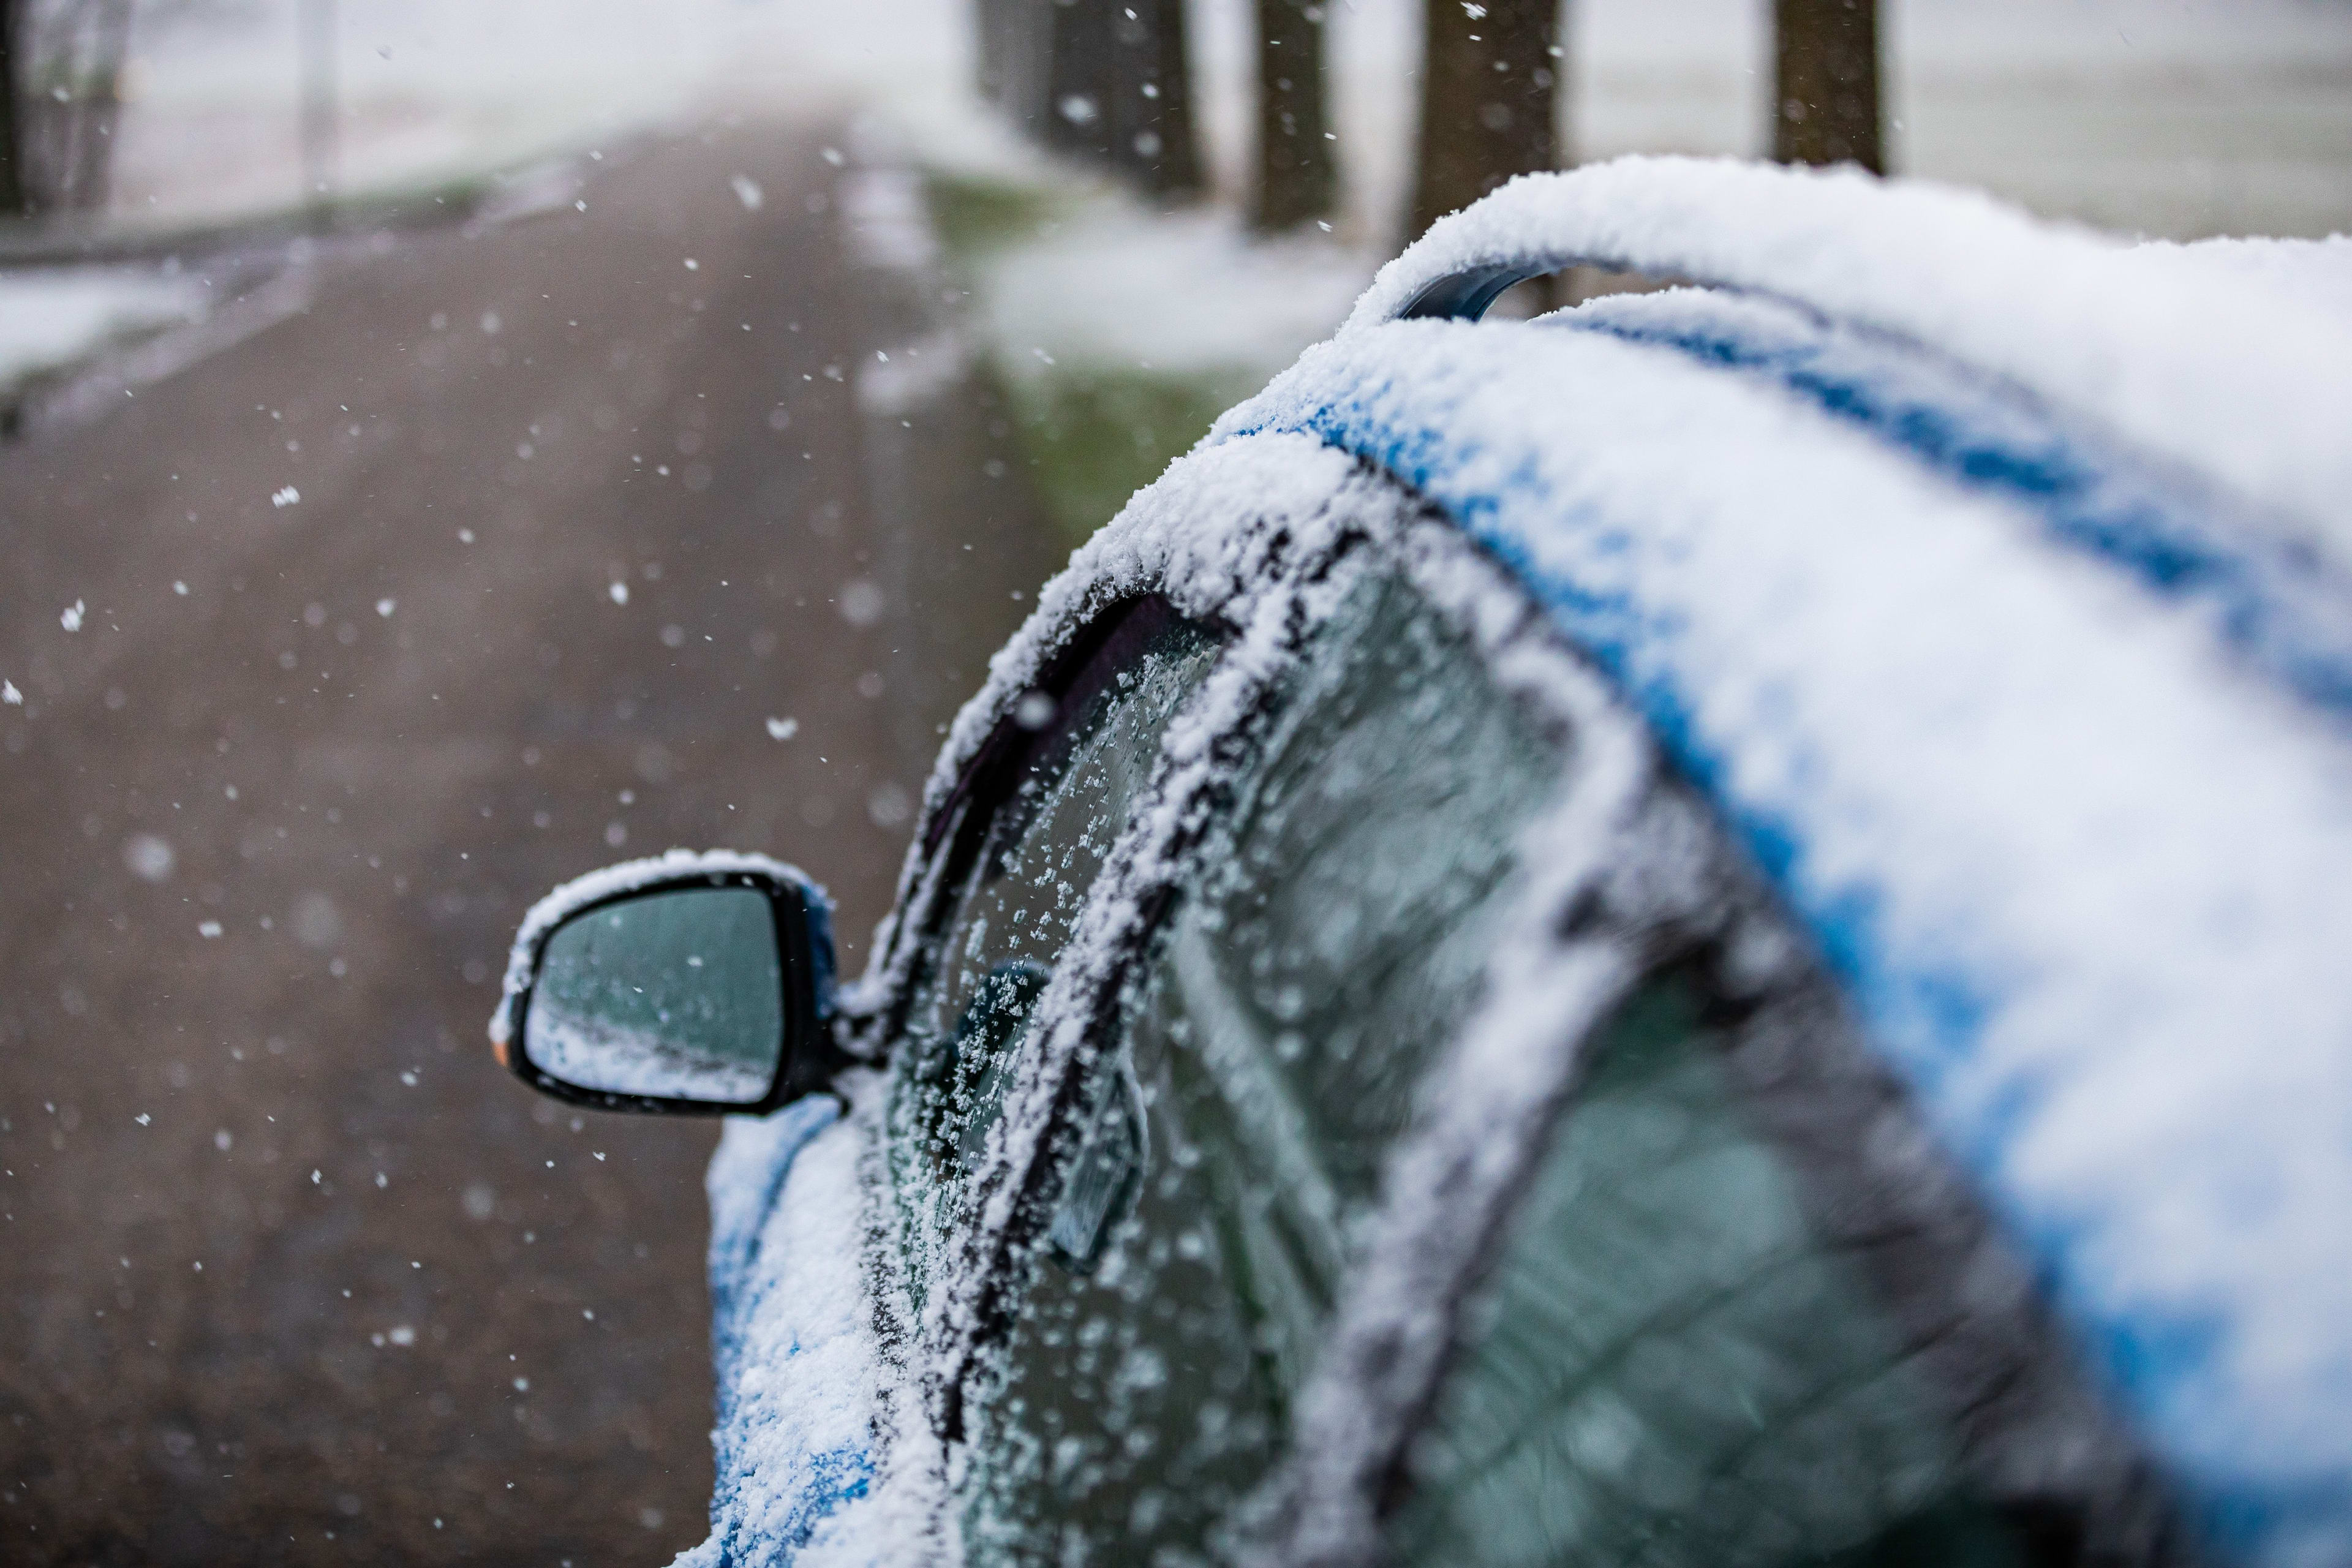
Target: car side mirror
x=694, y=984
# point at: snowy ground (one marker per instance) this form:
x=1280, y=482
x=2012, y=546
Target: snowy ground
x=51, y=318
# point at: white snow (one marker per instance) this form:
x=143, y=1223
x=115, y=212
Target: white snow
x=1122, y=287
x=54, y=318
x=801, y=1373
x=2244, y=385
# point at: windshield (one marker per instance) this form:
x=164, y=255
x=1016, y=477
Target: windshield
x=1039, y=854
x=1273, y=1047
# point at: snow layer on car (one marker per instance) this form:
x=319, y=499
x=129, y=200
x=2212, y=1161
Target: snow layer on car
x=2246, y=385
x=2290, y=612
x=2087, y=879
x=798, y=1367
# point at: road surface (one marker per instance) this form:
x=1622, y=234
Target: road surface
x=512, y=554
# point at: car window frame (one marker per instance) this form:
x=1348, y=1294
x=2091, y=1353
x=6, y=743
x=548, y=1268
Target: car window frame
x=1614, y=919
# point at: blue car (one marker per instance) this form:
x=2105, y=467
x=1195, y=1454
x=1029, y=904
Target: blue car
x=1711, y=929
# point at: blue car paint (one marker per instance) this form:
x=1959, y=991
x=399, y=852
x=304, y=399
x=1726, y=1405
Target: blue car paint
x=752, y=1519
x=2270, y=595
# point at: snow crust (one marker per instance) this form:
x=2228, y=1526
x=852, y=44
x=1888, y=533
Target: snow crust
x=52, y=318
x=2289, y=614
x=2086, y=875
x=627, y=876
x=799, y=1366
x=2243, y=384
x=2314, y=272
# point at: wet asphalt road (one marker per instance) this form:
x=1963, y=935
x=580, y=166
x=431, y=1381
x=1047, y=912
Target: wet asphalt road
x=289, y=1271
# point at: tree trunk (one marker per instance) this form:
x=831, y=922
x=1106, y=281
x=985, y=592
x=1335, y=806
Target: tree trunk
x=316, y=22
x=1101, y=79
x=101, y=111
x=1296, y=179
x=15, y=190
x=1487, y=72
x=1153, y=105
x=1825, y=83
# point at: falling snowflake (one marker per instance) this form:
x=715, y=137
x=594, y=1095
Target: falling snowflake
x=861, y=602
x=70, y=616
x=149, y=856
x=285, y=497
x=778, y=728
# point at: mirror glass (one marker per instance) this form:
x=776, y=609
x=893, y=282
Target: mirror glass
x=677, y=993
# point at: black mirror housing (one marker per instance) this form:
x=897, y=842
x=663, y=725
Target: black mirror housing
x=797, y=986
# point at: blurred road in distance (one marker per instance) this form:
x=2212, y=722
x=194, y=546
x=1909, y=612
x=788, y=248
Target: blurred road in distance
x=518, y=551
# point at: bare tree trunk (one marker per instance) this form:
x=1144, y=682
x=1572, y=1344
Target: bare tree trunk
x=1487, y=72
x=1825, y=84
x=15, y=190
x=316, y=22
x=101, y=111
x=1153, y=102
x=1104, y=79
x=1296, y=179
x=66, y=80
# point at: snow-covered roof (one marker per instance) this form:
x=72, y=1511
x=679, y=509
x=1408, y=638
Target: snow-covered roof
x=2247, y=383
x=2079, y=841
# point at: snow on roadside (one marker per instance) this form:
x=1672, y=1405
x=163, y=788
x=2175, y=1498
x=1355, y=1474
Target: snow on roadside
x=54, y=318
x=1185, y=293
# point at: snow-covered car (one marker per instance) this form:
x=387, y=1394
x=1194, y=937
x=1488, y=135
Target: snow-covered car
x=1715, y=929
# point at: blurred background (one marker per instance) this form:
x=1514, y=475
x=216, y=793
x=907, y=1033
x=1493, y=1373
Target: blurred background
x=444, y=448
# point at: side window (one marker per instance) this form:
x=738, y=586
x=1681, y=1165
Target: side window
x=1030, y=865
x=1735, y=1322
x=1667, y=1367
x=1275, y=1036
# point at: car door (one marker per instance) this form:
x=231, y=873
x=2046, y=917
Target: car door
x=1455, y=1168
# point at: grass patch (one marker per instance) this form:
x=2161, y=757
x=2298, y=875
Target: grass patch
x=1095, y=437
x=1092, y=434
x=974, y=215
